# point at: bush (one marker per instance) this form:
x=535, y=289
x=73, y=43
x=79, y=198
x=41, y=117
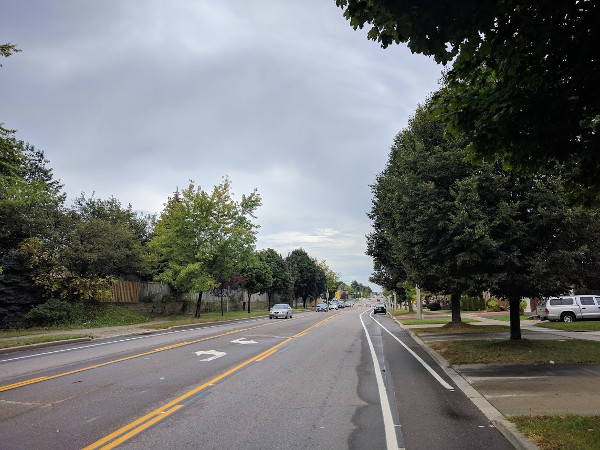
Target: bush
x=52, y=313
x=472, y=304
x=522, y=306
x=434, y=306
x=492, y=305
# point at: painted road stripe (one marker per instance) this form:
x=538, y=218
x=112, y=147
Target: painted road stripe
x=139, y=425
x=96, y=366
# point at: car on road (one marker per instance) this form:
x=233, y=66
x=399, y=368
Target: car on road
x=379, y=308
x=281, y=310
x=333, y=305
x=321, y=307
x=349, y=304
x=341, y=304
x=569, y=308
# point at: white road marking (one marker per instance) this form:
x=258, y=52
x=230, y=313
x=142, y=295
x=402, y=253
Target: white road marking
x=418, y=358
x=215, y=354
x=388, y=421
x=243, y=341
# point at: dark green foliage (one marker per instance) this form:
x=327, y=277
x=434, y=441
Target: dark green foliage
x=472, y=303
x=17, y=292
x=523, y=86
x=434, y=306
x=52, y=313
x=308, y=277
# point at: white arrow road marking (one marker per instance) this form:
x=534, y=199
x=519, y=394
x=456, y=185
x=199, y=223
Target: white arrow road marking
x=243, y=341
x=215, y=354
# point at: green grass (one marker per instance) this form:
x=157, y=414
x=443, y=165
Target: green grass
x=214, y=316
x=506, y=318
x=560, y=431
x=572, y=351
x=437, y=321
x=107, y=315
x=462, y=329
x=29, y=340
x=580, y=325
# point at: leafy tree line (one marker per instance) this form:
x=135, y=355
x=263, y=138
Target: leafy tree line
x=519, y=101
x=456, y=228
x=201, y=241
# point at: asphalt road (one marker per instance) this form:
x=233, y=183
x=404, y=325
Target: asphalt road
x=332, y=380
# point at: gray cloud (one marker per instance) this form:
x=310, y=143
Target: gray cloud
x=134, y=99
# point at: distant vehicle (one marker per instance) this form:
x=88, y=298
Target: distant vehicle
x=349, y=304
x=569, y=308
x=379, y=308
x=281, y=310
x=321, y=307
x=333, y=304
x=341, y=304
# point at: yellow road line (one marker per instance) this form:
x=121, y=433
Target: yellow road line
x=96, y=366
x=137, y=426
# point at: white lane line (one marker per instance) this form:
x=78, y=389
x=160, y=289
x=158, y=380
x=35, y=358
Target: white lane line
x=388, y=422
x=418, y=358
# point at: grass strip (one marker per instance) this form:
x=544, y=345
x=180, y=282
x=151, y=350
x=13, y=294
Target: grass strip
x=39, y=339
x=579, y=325
x=553, y=432
x=524, y=351
x=437, y=321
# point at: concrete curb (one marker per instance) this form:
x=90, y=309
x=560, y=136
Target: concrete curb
x=42, y=345
x=507, y=428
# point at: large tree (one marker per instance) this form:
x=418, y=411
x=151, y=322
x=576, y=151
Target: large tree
x=523, y=85
x=308, y=277
x=257, y=275
x=413, y=206
x=457, y=228
x=202, y=239
x=282, y=282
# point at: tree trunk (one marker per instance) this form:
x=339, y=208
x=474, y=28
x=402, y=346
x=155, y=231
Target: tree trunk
x=455, y=305
x=249, y=295
x=198, y=305
x=515, y=319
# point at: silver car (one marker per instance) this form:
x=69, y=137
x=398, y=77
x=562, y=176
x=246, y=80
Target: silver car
x=281, y=310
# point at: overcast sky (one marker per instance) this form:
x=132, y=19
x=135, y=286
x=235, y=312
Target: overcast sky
x=133, y=99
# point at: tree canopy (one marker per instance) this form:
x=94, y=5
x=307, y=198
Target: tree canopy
x=523, y=82
x=202, y=239
x=309, y=279
x=457, y=228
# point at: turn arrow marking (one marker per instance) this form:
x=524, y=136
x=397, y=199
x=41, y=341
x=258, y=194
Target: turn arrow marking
x=243, y=341
x=215, y=354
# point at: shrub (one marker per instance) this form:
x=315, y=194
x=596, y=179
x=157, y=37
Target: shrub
x=53, y=312
x=434, y=306
x=522, y=306
x=472, y=304
x=492, y=305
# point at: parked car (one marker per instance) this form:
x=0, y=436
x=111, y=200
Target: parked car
x=341, y=304
x=569, y=308
x=333, y=304
x=321, y=307
x=379, y=308
x=349, y=304
x=281, y=310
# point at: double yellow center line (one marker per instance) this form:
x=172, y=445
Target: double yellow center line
x=8, y=387
x=137, y=426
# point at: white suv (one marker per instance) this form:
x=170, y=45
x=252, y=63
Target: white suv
x=569, y=308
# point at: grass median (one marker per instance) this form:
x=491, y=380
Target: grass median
x=563, y=431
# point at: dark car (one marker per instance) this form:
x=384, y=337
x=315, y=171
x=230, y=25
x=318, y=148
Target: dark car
x=379, y=308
